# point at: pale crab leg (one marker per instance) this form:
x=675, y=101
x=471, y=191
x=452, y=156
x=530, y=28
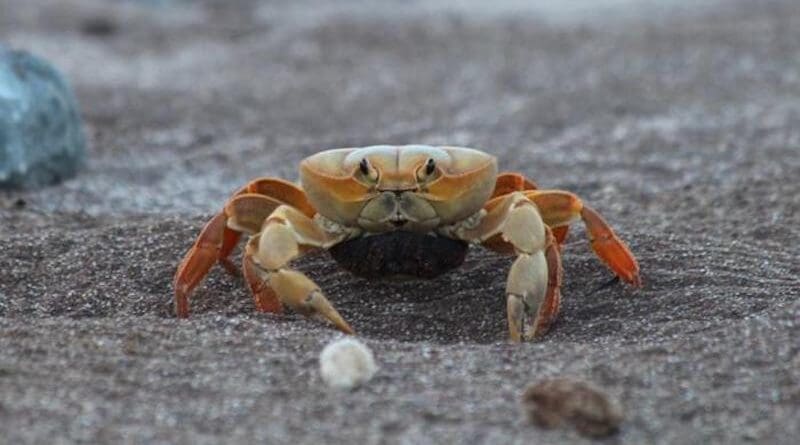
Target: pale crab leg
x=218, y=239
x=285, y=235
x=559, y=208
x=512, y=223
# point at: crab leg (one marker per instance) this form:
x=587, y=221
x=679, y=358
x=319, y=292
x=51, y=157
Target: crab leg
x=220, y=235
x=514, y=182
x=559, y=208
x=286, y=235
x=283, y=191
x=258, y=281
x=214, y=243
x=552, y=299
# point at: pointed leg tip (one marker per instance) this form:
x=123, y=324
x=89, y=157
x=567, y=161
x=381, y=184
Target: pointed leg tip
x=634, y=279
x=514, y=334
x=341, y=325
x=317, y=306
x=181, y=313
x=181, y=301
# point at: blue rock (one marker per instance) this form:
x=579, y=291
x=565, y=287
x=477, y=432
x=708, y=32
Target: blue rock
x=41, y=138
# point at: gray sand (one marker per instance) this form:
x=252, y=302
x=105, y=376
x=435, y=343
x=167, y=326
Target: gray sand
x=680, y=124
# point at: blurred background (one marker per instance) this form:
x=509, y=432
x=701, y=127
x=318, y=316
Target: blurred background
x=183, y=101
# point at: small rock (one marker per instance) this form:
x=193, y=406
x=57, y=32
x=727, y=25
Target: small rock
x=551, y=403
x=41, y=137
x=346, y=363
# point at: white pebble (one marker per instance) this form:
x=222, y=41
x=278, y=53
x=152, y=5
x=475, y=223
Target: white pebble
x=346, y=363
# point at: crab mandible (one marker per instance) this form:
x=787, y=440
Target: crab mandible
x=399, y=210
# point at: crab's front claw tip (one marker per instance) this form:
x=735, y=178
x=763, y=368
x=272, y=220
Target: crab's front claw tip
x=516, y=317
x=519, y=319
x=301, y=294
x=316, y=304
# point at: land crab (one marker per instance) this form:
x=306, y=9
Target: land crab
x=399, y=210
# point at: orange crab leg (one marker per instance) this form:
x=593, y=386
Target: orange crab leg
x=512, y=182
x=515, y=182
x=559, y=208
x=244, y=212
x=247, y=212
x=552, y=300
x=560, y=234
x=264, y=297
x=610, y=248
x=214, y=243
x=230, y=238
x=283, y=191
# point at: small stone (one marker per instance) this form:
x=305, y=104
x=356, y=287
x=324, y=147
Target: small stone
x=41, y=136
x=553, y=402
x=346, y=363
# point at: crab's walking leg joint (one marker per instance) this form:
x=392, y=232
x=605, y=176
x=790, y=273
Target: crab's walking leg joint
x=285, y=235
x=250, y=206
x=514, y=182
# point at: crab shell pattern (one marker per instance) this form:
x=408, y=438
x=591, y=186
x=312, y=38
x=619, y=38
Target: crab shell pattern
x=399, y=210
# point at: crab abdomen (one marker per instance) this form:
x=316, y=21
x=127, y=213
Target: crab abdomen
x=400, y=253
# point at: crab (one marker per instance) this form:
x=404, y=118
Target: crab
x=409, y=210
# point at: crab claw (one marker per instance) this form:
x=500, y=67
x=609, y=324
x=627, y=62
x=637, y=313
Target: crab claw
x=527, y=292
x=322, y=308
x=301, y=294
x=519, y=316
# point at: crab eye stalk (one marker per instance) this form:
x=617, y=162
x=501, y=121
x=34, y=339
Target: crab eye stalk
x=430, y=167
x=366, y=169
x=427, y=170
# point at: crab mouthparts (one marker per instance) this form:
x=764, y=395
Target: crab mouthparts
x=398, y=221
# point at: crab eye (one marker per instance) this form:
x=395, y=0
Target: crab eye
x=430, y=167
x=367, y=171
x=424, y=173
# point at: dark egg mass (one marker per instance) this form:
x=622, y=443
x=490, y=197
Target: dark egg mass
x=400, y=253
